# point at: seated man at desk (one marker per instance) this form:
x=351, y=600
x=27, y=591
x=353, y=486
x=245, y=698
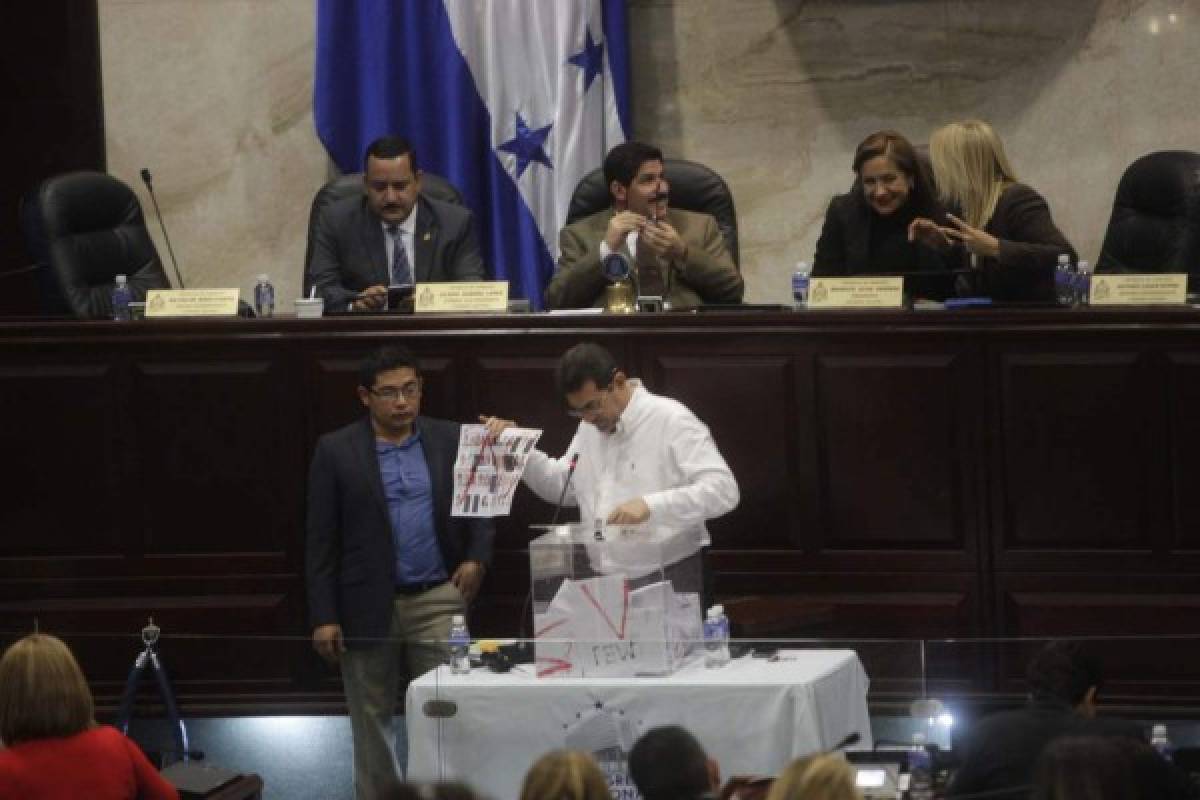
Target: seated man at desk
x=391, y=235
x=674, y=254
x=636, y=457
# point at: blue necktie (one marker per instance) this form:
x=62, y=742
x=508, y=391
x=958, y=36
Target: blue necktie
x=401, y=271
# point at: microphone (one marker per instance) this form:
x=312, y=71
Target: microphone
x=563, y=494
x=849, y=740
x=149, y=181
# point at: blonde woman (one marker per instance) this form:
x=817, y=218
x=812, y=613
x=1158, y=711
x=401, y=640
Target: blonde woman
x=53, y=747
x=565, y=775
x=1005, y=225
x=820, y=777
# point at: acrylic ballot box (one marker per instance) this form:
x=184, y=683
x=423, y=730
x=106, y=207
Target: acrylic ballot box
x=624, y=603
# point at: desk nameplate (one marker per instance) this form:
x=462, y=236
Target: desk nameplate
x=161, y=303
x=1139, y=290
x=863, y=292
x=462, y=296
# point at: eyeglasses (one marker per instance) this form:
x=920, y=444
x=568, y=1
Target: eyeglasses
x=392, y=393
x=592, y=406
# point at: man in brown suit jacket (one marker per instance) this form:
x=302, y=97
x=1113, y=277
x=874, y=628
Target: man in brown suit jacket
x=677, y=254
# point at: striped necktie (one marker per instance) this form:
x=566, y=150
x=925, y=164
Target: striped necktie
x=401, y=271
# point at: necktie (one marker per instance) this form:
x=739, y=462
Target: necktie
x=651, y=272
x=401, y=271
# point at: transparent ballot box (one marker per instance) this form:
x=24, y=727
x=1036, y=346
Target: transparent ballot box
x=621, y=601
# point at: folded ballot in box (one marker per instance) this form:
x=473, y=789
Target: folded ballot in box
x=624, y=604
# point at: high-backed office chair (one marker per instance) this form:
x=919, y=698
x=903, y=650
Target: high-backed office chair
x=694, y=187
x=351, y=184
x=87, y=228
x=1155, y=222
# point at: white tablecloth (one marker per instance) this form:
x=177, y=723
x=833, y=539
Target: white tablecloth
x=753, y=715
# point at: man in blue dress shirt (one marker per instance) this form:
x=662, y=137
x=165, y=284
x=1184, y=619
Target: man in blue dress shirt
x=387, y=566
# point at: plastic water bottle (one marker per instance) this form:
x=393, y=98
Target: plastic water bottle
x=1083, y=284
x=716, y=638
x=1063, y=288
x=800, y=280
x=121, y=295
x=1160, y=741
x=460, y=646
x=264, y=297
x=920, y=770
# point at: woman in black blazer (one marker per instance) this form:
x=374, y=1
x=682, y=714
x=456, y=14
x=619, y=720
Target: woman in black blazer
x=866, y=230
x=1003, y=227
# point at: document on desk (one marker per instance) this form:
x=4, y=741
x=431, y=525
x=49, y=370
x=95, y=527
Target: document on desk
x=487, y=470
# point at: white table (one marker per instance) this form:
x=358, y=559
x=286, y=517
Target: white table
x=753, y=715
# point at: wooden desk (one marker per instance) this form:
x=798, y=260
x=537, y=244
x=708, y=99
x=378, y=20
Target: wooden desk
x=927, y=474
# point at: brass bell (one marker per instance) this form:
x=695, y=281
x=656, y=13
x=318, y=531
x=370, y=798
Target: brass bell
x=619, y=298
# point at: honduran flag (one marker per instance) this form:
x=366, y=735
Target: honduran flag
x=513, y=101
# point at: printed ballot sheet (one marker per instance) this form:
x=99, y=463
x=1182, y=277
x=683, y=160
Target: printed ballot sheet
x=487, y=470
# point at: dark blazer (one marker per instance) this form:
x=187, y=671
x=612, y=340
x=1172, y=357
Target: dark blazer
x=1030, y=244
x=350, y=555
x=1002, y=749
x=844, y=250
x=349, y=253
x=708, y=276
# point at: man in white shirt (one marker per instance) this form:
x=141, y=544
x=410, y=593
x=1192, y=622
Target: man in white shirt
x=639, y=457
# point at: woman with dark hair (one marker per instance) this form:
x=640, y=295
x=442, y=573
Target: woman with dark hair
x=52, y=745
x=866, y=229
x=1106, y=768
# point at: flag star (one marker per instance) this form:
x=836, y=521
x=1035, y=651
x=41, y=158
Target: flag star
x=527, y=146
x=590, y=59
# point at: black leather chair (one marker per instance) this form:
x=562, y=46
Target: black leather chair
x=694, y=187
x=351, y=184
x=85, y=228
x=1155, y=222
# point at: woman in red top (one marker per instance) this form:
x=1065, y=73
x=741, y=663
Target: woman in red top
x=53, y=747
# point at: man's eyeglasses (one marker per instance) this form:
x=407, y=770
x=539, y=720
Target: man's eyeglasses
x=592, y=406
x=392, y=393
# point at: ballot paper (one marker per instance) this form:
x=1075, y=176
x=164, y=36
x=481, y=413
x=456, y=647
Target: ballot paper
x=487, y=470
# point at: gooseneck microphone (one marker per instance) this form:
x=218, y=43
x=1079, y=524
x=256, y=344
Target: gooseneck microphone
x=149, y=181
x=566, y=484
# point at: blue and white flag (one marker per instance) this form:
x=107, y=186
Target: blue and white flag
x=513, y=101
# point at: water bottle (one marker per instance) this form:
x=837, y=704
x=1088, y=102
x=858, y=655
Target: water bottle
x=1160, y=742
x=264, y=297
x=1063, y=280
x=120, y=298
x=920, y=770
x=800, y=279
x=1083, y=284
x=460, y=646
x=716, y=638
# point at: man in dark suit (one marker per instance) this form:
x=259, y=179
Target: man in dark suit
x=678, y=255
x=387, y=565
x=390, y=236
x=1002, y=749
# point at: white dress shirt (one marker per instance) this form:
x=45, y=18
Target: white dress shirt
x=660, y=452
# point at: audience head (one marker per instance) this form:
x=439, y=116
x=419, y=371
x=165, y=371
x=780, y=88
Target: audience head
x=633, y=172
x=819, y=777
x=565, y=775
x=667, y=763
x=592, y=385
x=43, y=693
x=891, y=176
x=971, y=169
x=391, y=178
x=1101, y=768
x=1066, y=672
